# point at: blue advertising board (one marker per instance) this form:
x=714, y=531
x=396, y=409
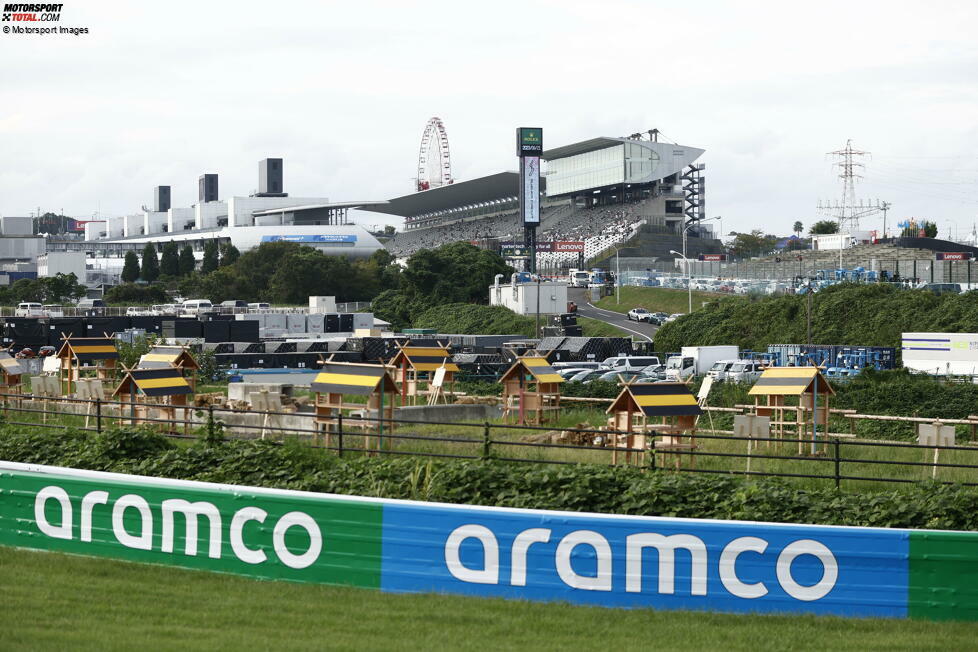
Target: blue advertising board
x=645, y=561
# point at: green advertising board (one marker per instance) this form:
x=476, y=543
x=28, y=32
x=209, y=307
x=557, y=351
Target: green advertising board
x=529, y=141
x=262, y=533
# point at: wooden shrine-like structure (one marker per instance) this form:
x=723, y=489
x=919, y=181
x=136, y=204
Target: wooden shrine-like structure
x=531, y=390
x=791, y=395
x=153, y=394
x=417, y=367
x=668, y=411
x=11, y=374
x=80, y=355
x=162, y=357
x=338, y=379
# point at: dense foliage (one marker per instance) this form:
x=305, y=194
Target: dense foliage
x=866, y=315
x=130, y=294
x=287, y=272
x=130, y=268
x=592, y=488
x=456, y=273
x=824, y=227
x=60, y=288
x=469, y=318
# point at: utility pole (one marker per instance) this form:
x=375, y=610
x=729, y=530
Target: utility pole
x=885, y=206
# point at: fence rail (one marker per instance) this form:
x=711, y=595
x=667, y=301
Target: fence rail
x=835, y=458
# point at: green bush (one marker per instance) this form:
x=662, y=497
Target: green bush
x=467, y=318
x=592, y=488
x=860, y=315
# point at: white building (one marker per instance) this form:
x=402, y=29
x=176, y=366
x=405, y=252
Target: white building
x=530, y=298
x=53, y=263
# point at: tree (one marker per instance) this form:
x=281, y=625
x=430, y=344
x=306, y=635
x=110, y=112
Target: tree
x=130, y=270
x=798, y=228
x=229, y=254
x=130, y=293
x=750, y=244
x=210, y=262
x=187, y=262
x=150, y=270
x=170, y=262
x=824, y=227
x=389, y=230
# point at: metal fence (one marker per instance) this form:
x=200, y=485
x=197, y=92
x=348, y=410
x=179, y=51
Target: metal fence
x=836, y=459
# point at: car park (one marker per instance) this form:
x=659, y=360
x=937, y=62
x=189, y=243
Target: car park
x=720, y=368
x=629, y=362
x=618, y=376
x=744, y=371
x=587, y=376
x=570, y=372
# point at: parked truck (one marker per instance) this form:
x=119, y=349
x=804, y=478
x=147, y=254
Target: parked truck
x=697, y=360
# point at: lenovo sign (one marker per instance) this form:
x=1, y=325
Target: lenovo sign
x=956, y=255
x=713, y=258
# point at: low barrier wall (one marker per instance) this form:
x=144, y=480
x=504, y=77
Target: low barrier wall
x=405, y=546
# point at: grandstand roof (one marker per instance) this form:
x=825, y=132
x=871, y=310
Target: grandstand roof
x=461, y=193
x=582, y=147
x=309, y=207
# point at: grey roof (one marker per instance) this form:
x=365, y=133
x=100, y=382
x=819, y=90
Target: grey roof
x=310, y=207
x=582, y=147
x=495, y=186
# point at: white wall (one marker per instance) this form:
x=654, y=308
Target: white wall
x=177, y=217
x=206, y=214
x=132, y=225
x=154, y=222
x=95, y=230
x=523, y=301
x=115, y=227
x=62, y=262
x=243, y=207
x=11, y=225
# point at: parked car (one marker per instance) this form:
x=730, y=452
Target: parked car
x=618, y=376
x=258, y=306
x=197, y=306
x=745, y=371
x=720, y=368
x=653, y=372
x=28, y=309
x=638, y=314
x=587, y=376
x=629, y=362
x=570, y=372
x=92, y=306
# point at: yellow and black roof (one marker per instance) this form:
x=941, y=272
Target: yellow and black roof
x=658, y=400
x=10, y=365
x=424, y=358
x=164, y=356
x=88, y=348
x=154, y=382
x=352, y=378
x=790, y=381
x=537, y=367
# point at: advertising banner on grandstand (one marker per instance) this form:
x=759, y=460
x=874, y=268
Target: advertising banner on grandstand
x=530, y=189
x=712, y=258
x=319, y=237
x=410, y=547
x=954, y=255
x=568, y=245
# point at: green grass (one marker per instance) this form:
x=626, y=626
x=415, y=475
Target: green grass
x=656, y=300
x=56, y=601
x=597, y=328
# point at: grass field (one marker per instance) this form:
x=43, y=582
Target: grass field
x=656, y=299
x=55, y=601
x=596, y=328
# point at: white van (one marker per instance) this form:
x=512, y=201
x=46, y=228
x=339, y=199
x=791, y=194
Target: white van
x=720, y=368
x=745, y=371
x=629, y=362
x=197, y=306
x=29, y=309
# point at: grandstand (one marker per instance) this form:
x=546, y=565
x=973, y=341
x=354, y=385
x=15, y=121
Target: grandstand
x=601, y=192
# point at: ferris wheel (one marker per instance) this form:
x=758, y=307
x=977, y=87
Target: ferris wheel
x=434, y=162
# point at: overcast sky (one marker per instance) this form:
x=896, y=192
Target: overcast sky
x=161, y=92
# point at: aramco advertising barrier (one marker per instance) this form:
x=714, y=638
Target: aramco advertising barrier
x=404, y=546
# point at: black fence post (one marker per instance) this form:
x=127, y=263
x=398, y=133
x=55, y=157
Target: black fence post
x=652, y=459
x=838, y=462
x=339, y=434
x=98, y=415
x=486, y=442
